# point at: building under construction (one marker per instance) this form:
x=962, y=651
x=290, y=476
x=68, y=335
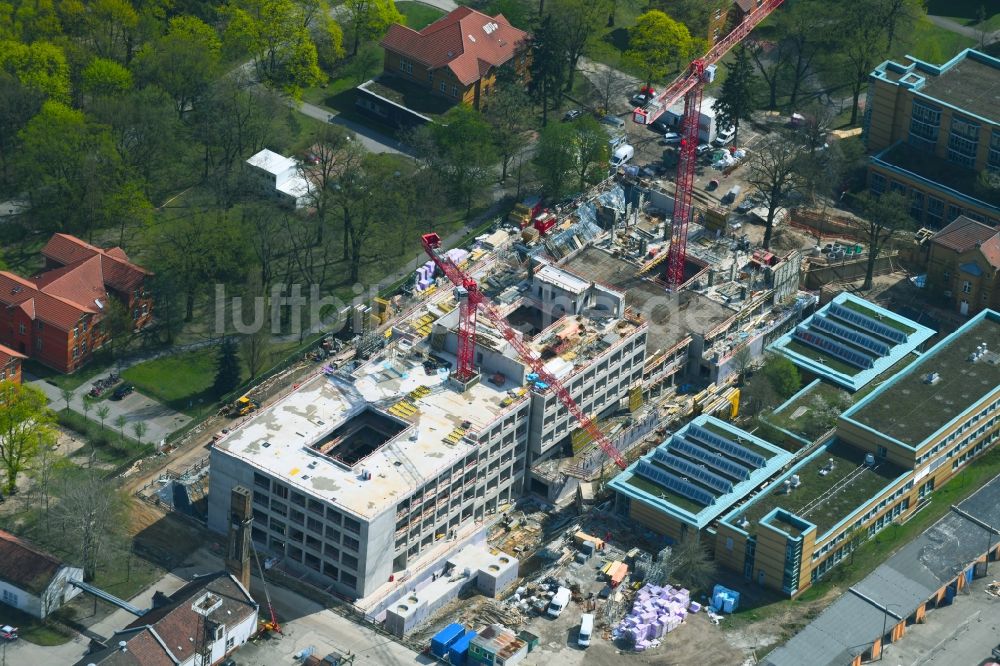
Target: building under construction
x=376, y=471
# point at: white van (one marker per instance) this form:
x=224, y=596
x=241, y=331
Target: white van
x=558, y=602
x=622, y=155
x=586, y=629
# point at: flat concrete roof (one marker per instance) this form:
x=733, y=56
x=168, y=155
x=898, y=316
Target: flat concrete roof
x=910, y=409
x=417, y=454
x=971, y=85
x=671, y=317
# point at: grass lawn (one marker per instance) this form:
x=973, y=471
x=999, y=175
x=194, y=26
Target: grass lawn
x=965, y=12
x=182, y=381
x=932, y=44
x=99, y=365
x=418, y=15
x=33, y=630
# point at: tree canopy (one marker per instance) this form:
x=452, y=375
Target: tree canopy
x=658, y=43
x=26, y=423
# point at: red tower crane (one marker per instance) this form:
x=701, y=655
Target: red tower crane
x=689, y=86
x=470, y=301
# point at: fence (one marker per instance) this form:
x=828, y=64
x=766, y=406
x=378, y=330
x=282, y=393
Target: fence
x=623, y=441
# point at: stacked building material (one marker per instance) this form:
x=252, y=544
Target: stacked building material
x=425, y=276
x=725, y=600
x=656, y=611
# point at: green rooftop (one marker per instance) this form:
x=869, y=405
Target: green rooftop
x=888, y=321
x=910, y=408
x=656, y=490
x=826, y=499
x=411, y=95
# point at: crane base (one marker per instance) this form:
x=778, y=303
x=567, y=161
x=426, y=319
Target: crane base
x=461, y=385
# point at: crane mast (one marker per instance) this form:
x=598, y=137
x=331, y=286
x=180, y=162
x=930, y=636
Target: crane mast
x=690, y=85
x=471, y=300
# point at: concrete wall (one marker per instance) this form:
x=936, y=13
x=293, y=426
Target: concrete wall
x=817, y=275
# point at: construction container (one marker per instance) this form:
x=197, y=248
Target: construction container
x=458, y=653
x=529, y=638
x=445, y=638
x=581, y=537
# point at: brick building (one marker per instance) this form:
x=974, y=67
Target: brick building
x=458, y=56
x=963, y=269
x=56, y=316
x=10, y=365
x=933, y=130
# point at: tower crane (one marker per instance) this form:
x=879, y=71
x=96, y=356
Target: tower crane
x=470, y=301
x=690, y=85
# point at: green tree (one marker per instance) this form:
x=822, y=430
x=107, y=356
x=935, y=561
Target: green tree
x=463, y=152
x=275, y=35
x=70, y=171
x=782, y=375
x=695, y=14
x=183, y=62
x=548, y=66
x=117, y=322
x=737, y=99
x=40, y=67
x=508, y=114
x=111, y=28
x=120, y=422
x=139, y=429
x=590, y=152
x=882, y=219
x=66, y=395
x=370, y=18
x=102, y=413
x=103, y=77
x=554, y=158
x=227, y=368
x=200, y=249
x=26, y=423
x=18, y=104
x=657, y=43
x=581, y=22
x=775, y=170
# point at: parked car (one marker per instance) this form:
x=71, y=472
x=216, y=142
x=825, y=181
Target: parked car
x=725, y=136
x=660, y=126
x=703, y=148
x=8, y=633
x=614, y=121
x=671, y=139
x=640, y=99
x=572, y=114
x=122, y=391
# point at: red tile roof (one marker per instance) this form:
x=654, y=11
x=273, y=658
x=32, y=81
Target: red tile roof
x=991, y=250
x=17, y=292
x=7, y=355
x=24, y=566
x=465, y=41
x=119, y=272
x=964, y=234
x=62, y=296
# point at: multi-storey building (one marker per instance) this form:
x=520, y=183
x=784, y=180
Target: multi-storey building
x=359, y=477
x=58, y=316
x=933, y=130
x=458, y=56
x=10, y=365
x=928, y=416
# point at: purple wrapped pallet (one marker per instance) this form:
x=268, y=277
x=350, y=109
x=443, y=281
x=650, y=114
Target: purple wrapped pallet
x=694, y=607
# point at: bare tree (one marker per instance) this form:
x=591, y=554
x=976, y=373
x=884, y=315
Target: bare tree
x=255, y=349
x=611, y=84
x=884, y=217
x=691, y=565
x=91, y=513
x=774, y=171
